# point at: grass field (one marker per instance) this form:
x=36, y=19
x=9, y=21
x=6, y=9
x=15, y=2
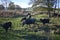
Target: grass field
x=20, y=33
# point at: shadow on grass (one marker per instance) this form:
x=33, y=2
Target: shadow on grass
x=19, y=34
x=26, y=36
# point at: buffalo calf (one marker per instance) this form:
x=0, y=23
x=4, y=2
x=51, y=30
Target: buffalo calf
x=7, y=25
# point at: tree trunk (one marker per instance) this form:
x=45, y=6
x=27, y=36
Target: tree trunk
x=6, y=5
x=48, y=8
x=58, y=6
x=55, y=6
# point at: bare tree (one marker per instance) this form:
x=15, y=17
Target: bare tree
x=58, y=5
x=5, y=3
x=1, y=7
x=11, y=5
x=48, y=3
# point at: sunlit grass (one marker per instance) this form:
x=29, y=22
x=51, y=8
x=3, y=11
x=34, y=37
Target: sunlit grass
x=20, y=33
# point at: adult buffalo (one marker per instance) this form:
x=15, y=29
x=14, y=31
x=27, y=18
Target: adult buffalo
x=44, y=21
x=6, y=26
x=58, y=15
x=54, y=14
x=28, y=21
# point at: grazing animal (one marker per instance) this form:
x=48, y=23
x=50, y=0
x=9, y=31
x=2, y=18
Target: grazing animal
x=58, y=15
x=28, y=21
x=44, y=21
x=6, y=26
x=57, y=26
x=54, y=15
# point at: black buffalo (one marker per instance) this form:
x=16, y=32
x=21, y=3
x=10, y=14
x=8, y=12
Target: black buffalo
x=54, y=14
x=44, y=21
x=57, y=26
x=6, y=26
x=28, y=21
x=58, y=15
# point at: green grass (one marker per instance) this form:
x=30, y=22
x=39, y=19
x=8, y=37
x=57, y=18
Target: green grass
x=20, y=33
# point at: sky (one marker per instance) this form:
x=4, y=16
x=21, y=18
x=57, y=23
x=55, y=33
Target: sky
x=25, y=3
x=22, y=3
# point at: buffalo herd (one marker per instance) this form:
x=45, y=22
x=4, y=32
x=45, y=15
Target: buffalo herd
x=8, y=25
x=28, y=21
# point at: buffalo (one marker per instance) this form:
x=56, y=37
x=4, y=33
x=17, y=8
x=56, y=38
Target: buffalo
x=44, y=21
x=58, y=15
x=54, y=14
x=6, y=26
x=57, y=26
x=28, y=21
